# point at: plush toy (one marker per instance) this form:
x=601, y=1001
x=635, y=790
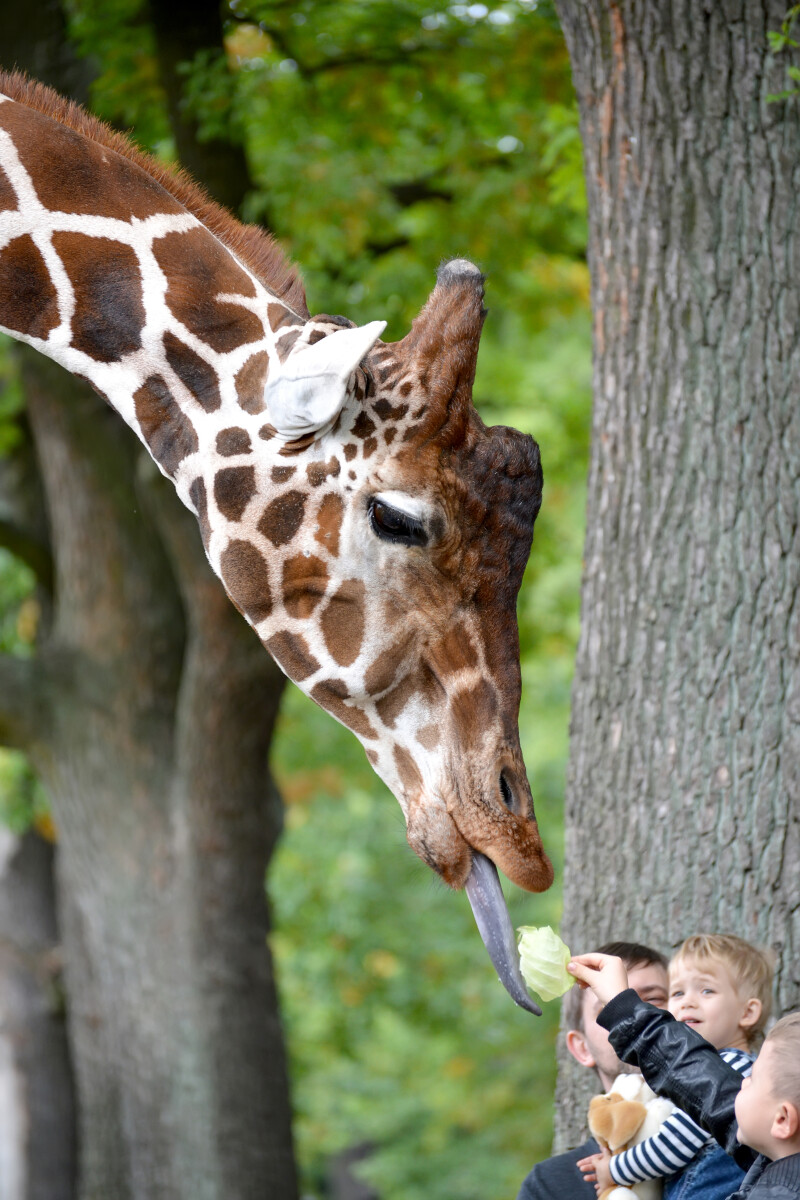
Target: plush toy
x=623, y=1117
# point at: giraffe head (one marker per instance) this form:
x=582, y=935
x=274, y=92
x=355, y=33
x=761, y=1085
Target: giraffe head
x=368, y=525
x=411, y=524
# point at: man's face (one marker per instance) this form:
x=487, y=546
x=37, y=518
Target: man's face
x=591, y=1047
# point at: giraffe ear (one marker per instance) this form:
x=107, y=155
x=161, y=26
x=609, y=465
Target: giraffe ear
x=307, y=392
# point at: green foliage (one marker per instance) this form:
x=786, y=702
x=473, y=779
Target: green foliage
x=118, y=39
x=400, y=1033
x=11, y=400
x=21, y=798
x=781, y=40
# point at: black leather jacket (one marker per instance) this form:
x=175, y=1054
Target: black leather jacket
x=683, y=1066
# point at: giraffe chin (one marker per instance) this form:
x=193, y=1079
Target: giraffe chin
x=494, y=925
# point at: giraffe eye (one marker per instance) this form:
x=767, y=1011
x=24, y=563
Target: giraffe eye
x=392, y=525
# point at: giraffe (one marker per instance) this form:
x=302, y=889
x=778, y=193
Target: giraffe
x=367, y=524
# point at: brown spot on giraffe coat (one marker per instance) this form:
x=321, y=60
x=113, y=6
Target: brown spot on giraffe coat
x=233, y=440
x=194, y=372
x=363, y=426
x=305, y=579
x=245, y=574
x=281, y=474
x=455, y=651
x=291, y=652
x=392, y=704
x=329, y=522
x=331, y=696
x=8, y=198
x=474, y=710
x=168, y=433
x=318, y=472
x=251, y=381
x=343, y=621
x=278, y=316
x=429, y=737
x=28, y=300
x=282, y=517
x=105, y=276
x=380, y=675
x=408, y=771
x=234, y=487
x=98, y=179
x=198, y=270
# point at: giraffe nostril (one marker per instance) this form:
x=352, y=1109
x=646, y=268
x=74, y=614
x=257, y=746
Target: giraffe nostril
x=506, y=792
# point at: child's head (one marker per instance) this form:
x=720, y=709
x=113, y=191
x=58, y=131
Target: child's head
x=722, y=987
x=768, y=1105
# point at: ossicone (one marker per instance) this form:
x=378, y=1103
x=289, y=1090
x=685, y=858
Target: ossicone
x=443, y=343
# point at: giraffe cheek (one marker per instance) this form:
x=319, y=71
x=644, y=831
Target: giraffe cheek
x=430, y=830
x=435, y=839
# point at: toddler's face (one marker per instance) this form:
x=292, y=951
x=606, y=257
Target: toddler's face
x=703, y=996
x=756, y=1104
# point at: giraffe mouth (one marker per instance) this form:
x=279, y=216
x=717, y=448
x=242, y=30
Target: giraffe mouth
x=494, y=925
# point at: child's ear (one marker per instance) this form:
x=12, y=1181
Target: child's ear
x=578, y=1048
x=751, y=1014
x=786, y=1122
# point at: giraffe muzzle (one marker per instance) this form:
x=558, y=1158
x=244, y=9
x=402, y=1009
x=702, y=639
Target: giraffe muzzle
x=494, y=925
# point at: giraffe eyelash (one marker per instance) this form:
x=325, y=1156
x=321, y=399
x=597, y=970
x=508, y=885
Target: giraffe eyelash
x=393, y=525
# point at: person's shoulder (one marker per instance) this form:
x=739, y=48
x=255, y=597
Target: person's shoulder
x=558, y=1178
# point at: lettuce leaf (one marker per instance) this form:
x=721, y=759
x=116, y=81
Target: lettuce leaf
x=543, y=959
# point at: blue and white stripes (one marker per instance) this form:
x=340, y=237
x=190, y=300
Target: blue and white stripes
x=677, y=1142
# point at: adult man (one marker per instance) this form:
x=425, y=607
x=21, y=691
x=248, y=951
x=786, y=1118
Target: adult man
x=558, y=1178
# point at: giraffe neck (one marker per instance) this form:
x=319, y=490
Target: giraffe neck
x=116, y=278
x=363, y=518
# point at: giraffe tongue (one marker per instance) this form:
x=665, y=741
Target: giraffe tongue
x=494, y=924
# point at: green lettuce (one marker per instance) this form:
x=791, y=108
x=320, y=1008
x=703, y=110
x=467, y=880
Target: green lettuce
x=543, y=959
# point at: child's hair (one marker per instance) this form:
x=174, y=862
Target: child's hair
x=786, y=1063
x=750, y=970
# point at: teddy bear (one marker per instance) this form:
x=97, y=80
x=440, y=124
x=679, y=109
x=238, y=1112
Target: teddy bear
x=623, y=1117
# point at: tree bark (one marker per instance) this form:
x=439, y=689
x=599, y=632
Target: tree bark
x=37, y=1130
x=683, y=793
x=160, y=704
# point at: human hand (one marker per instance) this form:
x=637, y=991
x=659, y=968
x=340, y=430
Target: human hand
x=602, y=1171
x=603, y=973
x=595, y=1169
x=587, y=1168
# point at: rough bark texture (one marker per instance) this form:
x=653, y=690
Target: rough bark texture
x=156, y=707
x=683, y=797
x=37, y=1125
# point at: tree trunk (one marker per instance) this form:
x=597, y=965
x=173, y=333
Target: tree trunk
x=683, y=793
x=37, y=1129
x=150, y=711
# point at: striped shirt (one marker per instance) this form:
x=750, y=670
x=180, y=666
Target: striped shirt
x=677, y=1142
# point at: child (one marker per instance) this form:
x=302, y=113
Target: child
x=720, y=986
x=677, y=1062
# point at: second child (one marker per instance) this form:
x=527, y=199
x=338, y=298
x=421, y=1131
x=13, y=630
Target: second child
x=720, y=986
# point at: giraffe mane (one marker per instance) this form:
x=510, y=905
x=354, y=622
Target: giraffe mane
x=254, y=247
